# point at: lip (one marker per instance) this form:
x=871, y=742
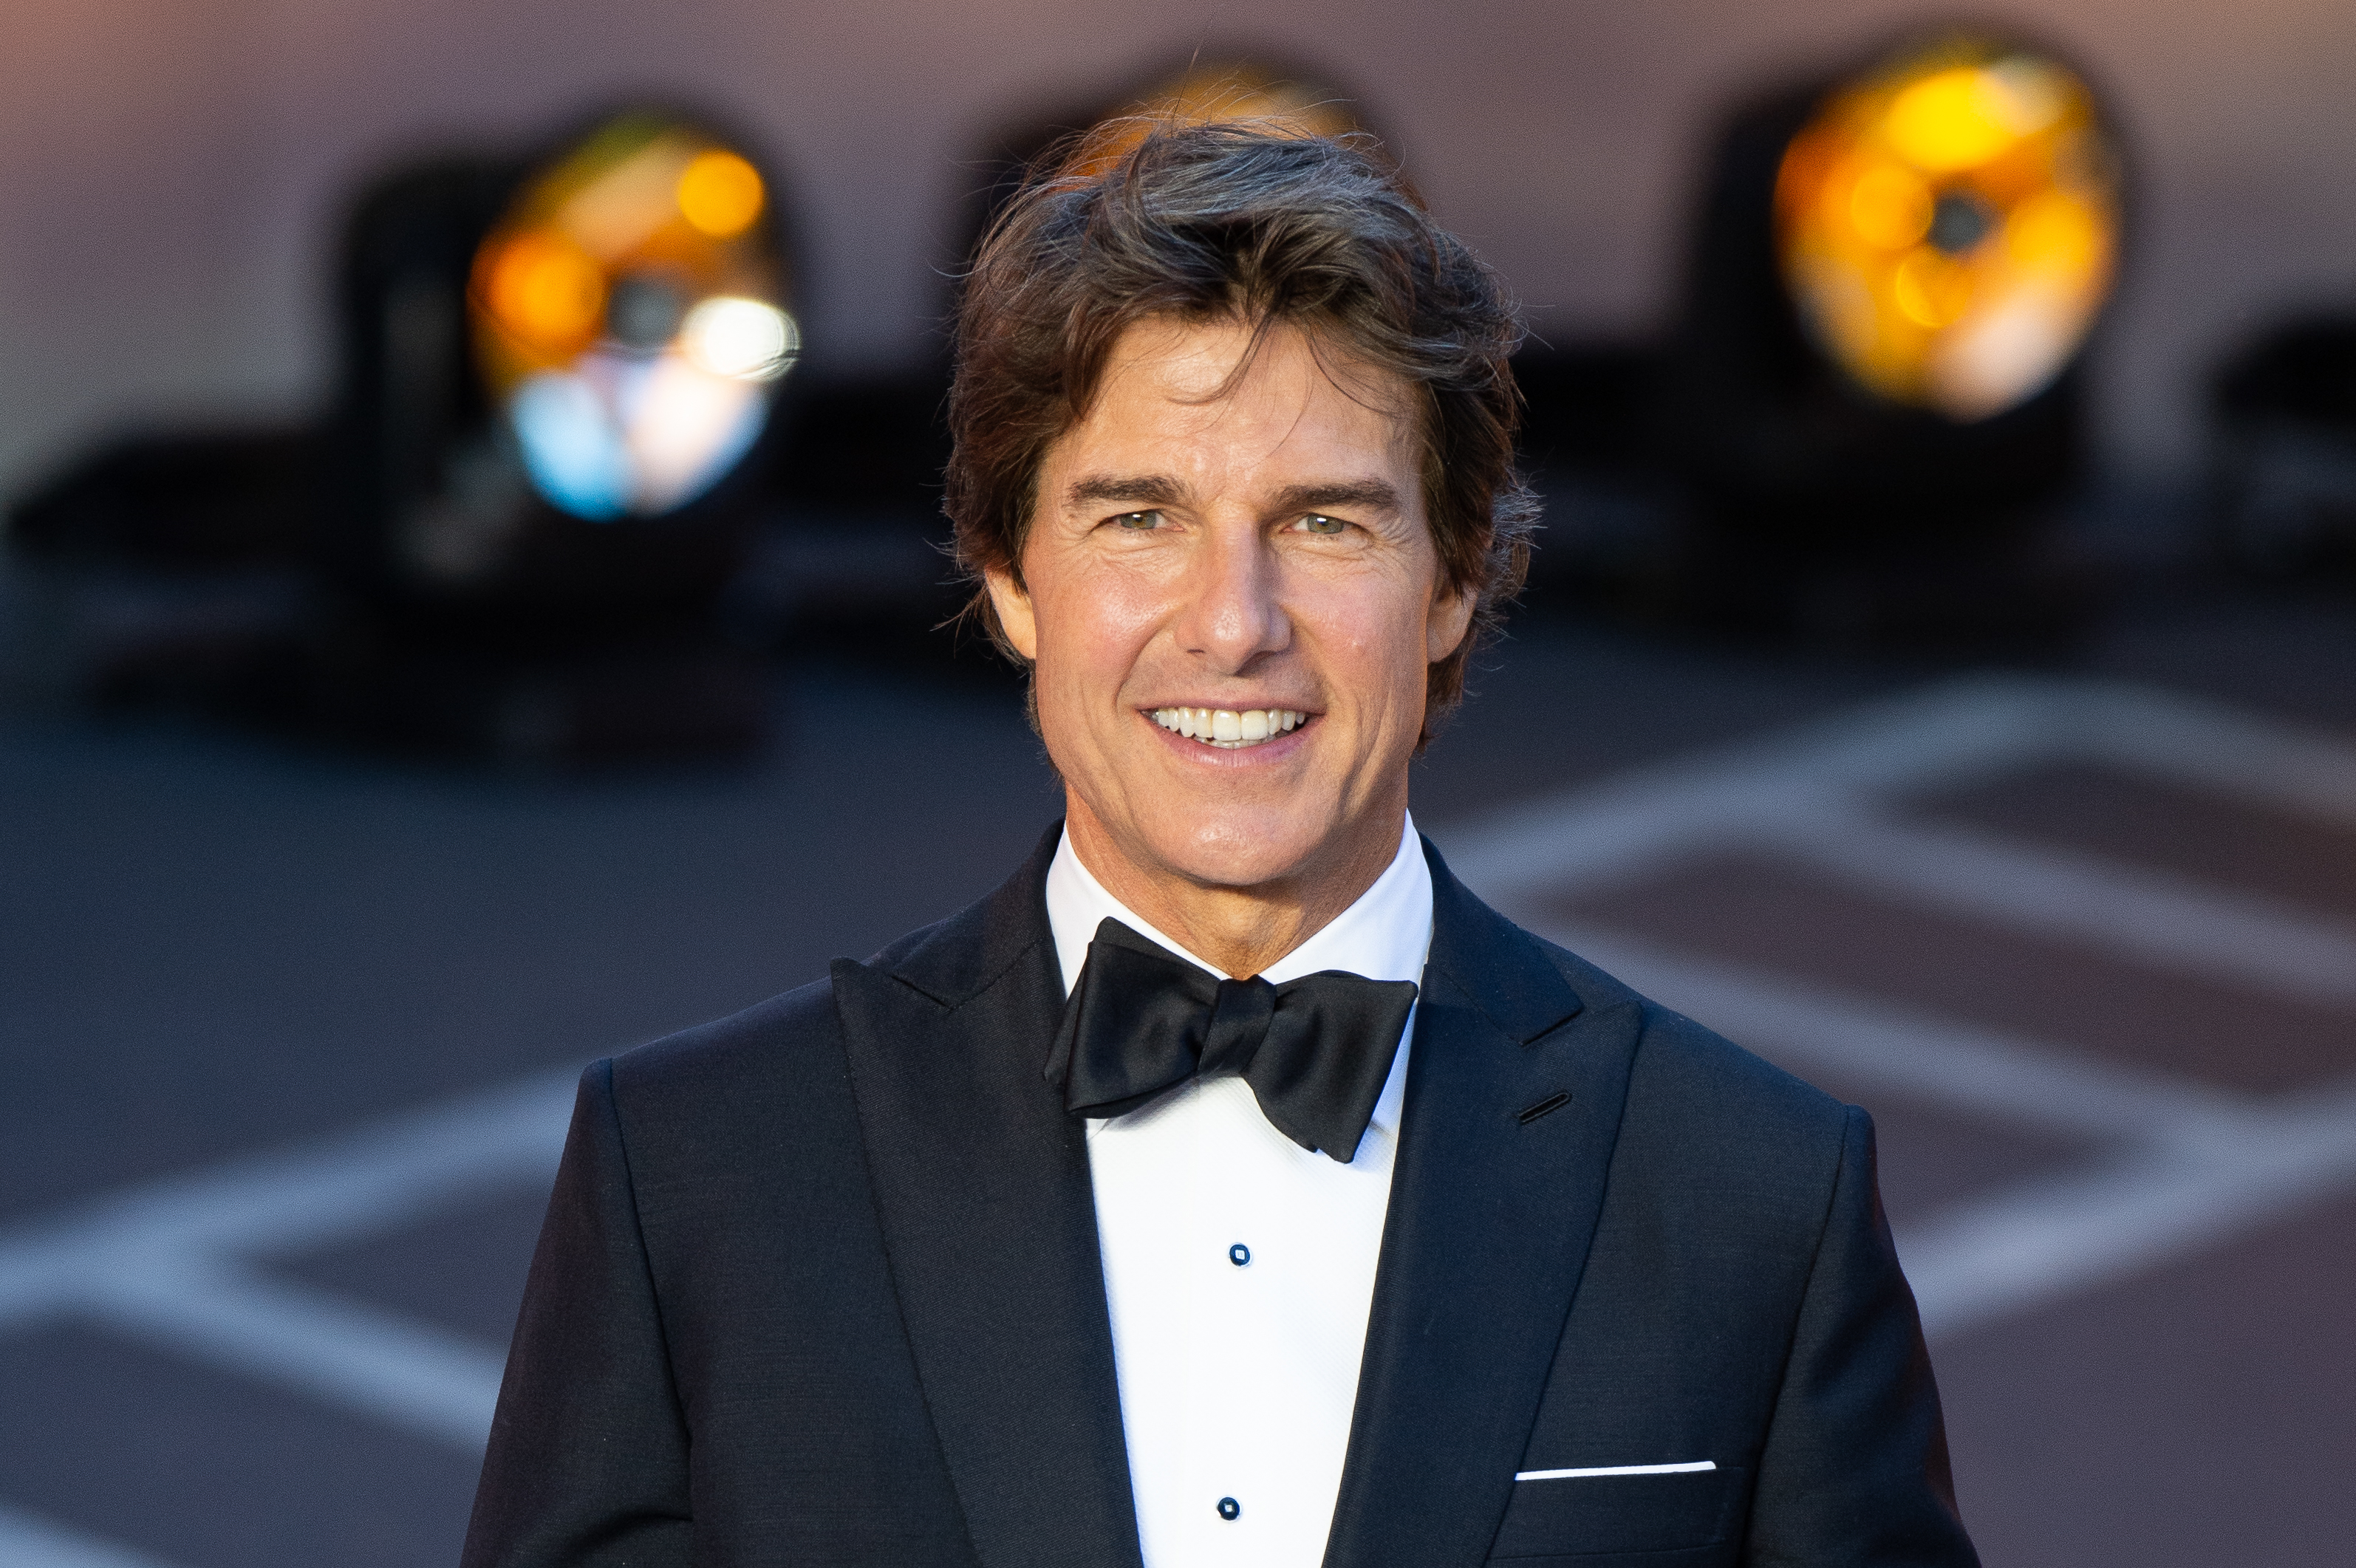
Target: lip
x=1273, y=749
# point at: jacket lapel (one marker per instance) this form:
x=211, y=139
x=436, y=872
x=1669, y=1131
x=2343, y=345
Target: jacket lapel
x=1488, y=1230
x=990, y=1220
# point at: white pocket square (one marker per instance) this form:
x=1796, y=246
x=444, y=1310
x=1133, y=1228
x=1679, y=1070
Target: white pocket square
x=1684, y=1469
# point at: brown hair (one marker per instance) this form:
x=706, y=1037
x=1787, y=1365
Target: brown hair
x=1258, y=222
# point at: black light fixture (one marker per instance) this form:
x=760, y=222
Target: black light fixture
x=1871, y=405
x=547, y=458
x=1948, y=226
x=561, y=381
x=2283, y=409
x=559, y=377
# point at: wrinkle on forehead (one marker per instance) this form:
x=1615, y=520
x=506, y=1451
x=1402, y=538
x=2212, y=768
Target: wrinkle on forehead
x=1197, y=366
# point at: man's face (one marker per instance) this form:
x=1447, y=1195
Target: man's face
x=1196, y=557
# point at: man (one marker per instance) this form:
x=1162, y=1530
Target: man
x=1231, y=1186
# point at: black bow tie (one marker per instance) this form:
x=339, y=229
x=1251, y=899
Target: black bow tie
x=1315, y=1051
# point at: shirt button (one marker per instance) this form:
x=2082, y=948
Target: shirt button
x=1229, y=1509
x=1238, y=1254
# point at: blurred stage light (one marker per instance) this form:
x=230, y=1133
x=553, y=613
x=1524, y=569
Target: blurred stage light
x=557, y=401
x=628, y=317
x=1220, y=93
x=560, y=378
x=1870, y=409
x=560, y=384
x=1948, y=225
x=1210, y=89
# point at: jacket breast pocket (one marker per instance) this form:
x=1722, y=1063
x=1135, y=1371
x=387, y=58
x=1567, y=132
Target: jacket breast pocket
x=1587, y=1518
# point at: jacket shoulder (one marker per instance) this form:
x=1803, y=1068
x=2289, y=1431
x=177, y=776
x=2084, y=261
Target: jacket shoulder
x=697, y=1107
x=739, y=1129
x=1716, y=1086
x=716, y=1058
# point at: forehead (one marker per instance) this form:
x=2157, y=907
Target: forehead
x=1235, y=395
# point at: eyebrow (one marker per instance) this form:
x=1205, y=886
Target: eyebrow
x=1352, y=496
x=1160, y=490
x=1124, y=489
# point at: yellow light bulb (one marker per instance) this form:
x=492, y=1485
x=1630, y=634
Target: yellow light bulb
x=1930, y=290
x=546, y=291
x=2056, y=233
x=720, y=194
x=1954, y=120
x=1890, y=207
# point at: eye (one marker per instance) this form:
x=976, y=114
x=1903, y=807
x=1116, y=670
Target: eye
x=1319, y=523
x=1138, y=522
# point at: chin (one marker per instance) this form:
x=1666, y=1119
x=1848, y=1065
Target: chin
x=1242, y=848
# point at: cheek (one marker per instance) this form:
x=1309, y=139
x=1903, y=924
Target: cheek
x=1374, y=635
x=1092, y=628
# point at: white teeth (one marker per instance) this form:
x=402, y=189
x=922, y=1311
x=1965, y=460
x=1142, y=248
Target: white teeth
x=1226, y=728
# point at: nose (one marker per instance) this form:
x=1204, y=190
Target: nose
x=1231, y=615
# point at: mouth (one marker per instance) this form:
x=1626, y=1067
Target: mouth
x=1229, y=729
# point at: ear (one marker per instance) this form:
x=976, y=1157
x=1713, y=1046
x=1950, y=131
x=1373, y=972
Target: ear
x=1015, y=616
x=1445, y=628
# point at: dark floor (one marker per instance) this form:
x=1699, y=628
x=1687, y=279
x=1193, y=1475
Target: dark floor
x=213, y=945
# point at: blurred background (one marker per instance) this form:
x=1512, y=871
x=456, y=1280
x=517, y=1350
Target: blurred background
x=471, y=601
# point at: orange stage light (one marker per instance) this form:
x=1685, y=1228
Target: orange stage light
x=1218, y=94
x=1948, y=225
x=630, y=318
x=720, y=194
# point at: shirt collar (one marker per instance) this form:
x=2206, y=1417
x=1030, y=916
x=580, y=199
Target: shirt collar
x=1383, y=935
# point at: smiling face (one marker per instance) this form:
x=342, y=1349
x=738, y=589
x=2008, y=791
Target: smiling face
x=1230, y=603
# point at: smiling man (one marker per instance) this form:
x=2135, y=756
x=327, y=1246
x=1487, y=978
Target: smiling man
x=1229, y=597
x=1231, y=1186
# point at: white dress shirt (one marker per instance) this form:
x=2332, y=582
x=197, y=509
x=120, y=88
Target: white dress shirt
x=1238, y=1265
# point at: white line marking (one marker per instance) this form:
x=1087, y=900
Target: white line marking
x=403, y=1373
x=2147, y=916
x=2186, y=1165
x=2021, y=1248
x=1962, y=730
x=1808, y=1027
x=1697, y=1465
x=29, y=1543
x=2199, y=744
x=1949, y=735
x=170, y=1262
x=2183, y=1165
x=347, y=1185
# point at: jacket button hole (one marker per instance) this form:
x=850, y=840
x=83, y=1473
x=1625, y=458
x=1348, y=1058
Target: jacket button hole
x=1552, y=1103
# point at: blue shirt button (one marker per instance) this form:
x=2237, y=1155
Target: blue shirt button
x=1238, y=1254
x=1229, y=1509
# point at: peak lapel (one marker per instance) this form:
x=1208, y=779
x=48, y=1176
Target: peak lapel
x=990, y=1220
x=1488, y=1230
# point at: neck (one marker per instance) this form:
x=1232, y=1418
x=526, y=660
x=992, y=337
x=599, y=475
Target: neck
x=1240, y=929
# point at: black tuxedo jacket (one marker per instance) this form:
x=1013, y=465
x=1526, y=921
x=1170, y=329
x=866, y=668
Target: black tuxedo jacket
x=819, y=1285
